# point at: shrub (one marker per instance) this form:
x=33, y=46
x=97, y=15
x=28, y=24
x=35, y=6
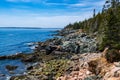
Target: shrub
x=113, y=55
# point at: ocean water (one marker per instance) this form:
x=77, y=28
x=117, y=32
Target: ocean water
x=17, y=40
x=14, y=41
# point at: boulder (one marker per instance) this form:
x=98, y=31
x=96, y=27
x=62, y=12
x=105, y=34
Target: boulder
x=12, y=57
x=11, y=72
x=2, y=75
x=11, y=67
x=30, y=67
x=21, y=77
x=48, y=50
x=98, y=66
x=2, y=57
x=30, y=58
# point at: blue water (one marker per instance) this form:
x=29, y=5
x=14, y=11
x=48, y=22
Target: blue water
x=14, y=41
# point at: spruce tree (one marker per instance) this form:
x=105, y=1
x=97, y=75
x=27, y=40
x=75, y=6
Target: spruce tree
x=112, y=30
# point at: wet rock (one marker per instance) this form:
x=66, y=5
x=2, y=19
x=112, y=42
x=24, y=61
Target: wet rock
x=57, y=41
x=12, y=57
x=30, y=67
x=11, y=67
x=31, y=58
x=2, y=75
x=21, y=77
x=11, y=72
x=50, y=49
x=2, y=57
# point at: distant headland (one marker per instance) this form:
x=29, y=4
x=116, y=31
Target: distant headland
x=20, y=27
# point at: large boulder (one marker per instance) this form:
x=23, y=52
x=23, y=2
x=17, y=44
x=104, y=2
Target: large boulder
x=31, y=58
x=98, y=66
x=11, y=67
x=50, y=49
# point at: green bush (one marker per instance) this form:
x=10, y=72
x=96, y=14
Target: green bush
x=113, y=55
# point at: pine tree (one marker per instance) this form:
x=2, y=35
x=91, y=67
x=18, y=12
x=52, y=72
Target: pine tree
x=112, y=32
x=94, y=13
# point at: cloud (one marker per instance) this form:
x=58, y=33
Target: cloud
x=64, y=4
x=77, y=5
x=40, y=21
x=25, y=1
x=87, y=3
x=18, y=0
x=54, y=4
x=47, y=13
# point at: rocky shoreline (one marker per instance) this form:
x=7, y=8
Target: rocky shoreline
x=72, y=56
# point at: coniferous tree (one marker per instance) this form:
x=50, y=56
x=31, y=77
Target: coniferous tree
x=112, y=29
x=94, y=13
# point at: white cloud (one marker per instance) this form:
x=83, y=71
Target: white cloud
x=65, y=4
x=27, y=16
x=89, y=3
x=23, y=0
x=77, y=5
x=38, y=21
x=54, y=4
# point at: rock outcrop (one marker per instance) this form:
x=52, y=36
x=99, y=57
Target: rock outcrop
x=74, y=56
x=11, y=67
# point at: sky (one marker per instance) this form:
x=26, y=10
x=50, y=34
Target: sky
x=46, y=13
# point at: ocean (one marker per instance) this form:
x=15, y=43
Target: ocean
x=13, y=40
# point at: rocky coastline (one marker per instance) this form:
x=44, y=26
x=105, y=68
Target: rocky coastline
x=72, y=56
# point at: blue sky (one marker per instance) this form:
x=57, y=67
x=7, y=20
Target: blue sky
x=46, y=13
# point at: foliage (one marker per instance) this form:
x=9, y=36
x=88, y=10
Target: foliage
x=106, y=24
x=113, y=55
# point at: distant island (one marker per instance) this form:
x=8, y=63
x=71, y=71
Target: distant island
x=20, y=28
x=26, y=28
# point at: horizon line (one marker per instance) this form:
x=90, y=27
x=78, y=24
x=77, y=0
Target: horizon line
x=31, y=27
